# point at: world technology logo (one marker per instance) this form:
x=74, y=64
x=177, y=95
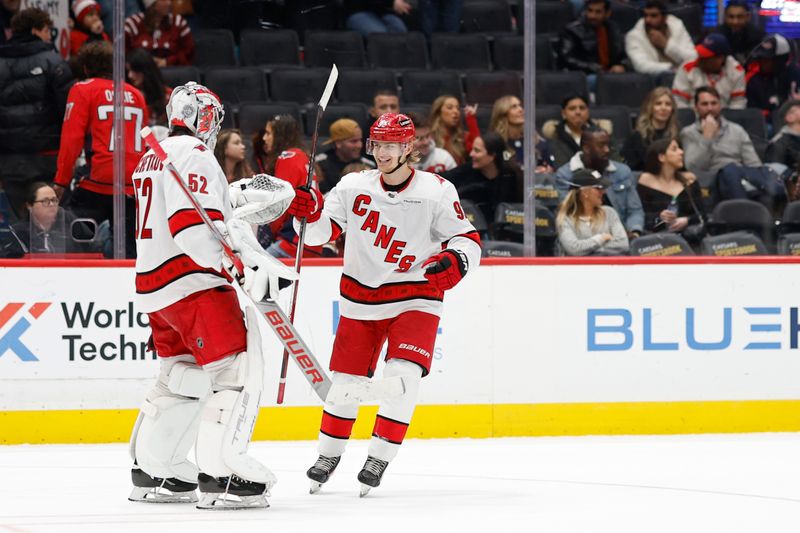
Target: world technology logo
x=11, y=337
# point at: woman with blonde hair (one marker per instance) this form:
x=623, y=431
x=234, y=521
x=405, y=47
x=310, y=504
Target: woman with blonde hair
x=508, y=121
x=231, y=154
x=586, y=226
x=445, y=119
x=658, y=119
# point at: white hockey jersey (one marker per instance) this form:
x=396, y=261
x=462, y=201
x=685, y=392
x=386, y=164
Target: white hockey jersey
x=389, y=235
x=177, y=254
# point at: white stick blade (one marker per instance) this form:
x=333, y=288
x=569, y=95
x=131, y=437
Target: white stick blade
x=326, y=94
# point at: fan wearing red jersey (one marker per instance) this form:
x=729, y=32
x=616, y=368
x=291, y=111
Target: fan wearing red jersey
x=408, y=241
x=90, y=111
x=212, y=369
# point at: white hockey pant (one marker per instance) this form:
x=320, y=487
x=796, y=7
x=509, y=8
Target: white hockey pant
x=229, y=415
x=399, y=409
x=169, y=418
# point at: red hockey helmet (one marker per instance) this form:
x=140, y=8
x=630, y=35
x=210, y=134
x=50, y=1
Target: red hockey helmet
x=392, y=128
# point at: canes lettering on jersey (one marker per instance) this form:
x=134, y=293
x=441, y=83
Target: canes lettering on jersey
x=383, y=234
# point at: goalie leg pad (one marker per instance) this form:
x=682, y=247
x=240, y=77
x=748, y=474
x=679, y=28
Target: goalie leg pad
x=230, y=413
x=394, y=414
x=167, y=424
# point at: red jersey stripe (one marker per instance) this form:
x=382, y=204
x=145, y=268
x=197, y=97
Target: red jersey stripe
x=186, y=218
x=354, y=291
x=170, y=270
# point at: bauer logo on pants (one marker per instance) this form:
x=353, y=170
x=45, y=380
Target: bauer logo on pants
x=11, y=339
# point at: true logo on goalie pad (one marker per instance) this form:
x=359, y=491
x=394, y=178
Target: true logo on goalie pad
x=294, y=346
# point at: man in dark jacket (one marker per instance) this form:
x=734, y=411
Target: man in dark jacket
x=34, y=82
x=742, y=34
x=593, y=44
x=773, y=76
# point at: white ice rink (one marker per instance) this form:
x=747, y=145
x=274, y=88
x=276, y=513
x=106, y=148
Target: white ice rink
x=703, y=483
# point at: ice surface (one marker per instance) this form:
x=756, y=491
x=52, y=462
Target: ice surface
x=696, y=483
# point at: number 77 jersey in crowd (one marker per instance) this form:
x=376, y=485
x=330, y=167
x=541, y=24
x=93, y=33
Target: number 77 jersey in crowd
x=90, y=111
x=389, y=235
x=176, y=253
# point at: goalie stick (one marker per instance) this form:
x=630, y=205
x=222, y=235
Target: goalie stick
x=276, y=318
x=323, y=103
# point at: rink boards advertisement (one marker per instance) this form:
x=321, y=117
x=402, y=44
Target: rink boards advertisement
x=524, y=348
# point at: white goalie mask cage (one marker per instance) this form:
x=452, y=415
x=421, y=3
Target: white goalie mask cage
x=198, y=109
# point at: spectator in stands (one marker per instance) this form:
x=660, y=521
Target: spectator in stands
x=658, y=119
x=90, y=113
x=508, y=120
x=490, y=177
x=107, y=10
x=146, y=76
x=432, y=158
x=784, y=147
x=743, y=36
x=280, y=153
x=659, y=42
x=593, y=43
x=384, y=101
x=446, y=126
x=47, y=229
x=440, y=16
x=719, y=147
x=8, y=8
x=715, y=67
x=348, y=141
x=595, y=155
x=163, y=34
x=772, y=75
x=671, y=197
x=564, y=137
x=34, y=82
x=231, y=154
x=376, y=16
x=88, y=25
x=585, y=226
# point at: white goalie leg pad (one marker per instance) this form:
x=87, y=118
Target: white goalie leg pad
x=331, y=446
x=399, y=408
x=230, y=413
x=168, y=421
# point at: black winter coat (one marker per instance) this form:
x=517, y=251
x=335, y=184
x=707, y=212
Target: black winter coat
x=577, y=47
x=34, y=83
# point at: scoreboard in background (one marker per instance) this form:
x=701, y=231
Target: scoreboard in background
x=777, y=16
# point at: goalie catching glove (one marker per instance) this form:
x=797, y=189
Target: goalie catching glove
x=261, y=270
x=307, y=203
x=260, y=199
x=446, y=269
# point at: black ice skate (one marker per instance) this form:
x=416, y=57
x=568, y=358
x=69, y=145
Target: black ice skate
x=370, y=476
x=231, y=493
x=321, y=472
x=160, y=490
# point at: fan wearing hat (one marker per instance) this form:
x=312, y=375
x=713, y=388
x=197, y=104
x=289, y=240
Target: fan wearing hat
x=714, y=67
x=738, y=27
x=88, y=25
x=347, y=141
x=772, y=74
x=586, y=226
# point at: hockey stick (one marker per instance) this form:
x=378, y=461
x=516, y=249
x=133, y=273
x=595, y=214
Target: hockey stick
x=323, y=103
x=276, y=318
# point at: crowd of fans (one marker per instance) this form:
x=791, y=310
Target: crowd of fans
x=685, y=152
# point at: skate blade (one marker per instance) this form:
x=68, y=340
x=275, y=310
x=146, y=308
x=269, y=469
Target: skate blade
x=364, y=490
x=161, y=495
x=231, y=502
x=315, y=487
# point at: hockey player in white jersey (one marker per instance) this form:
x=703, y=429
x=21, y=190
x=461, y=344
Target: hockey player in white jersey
x=408, y=241
x=207, y=392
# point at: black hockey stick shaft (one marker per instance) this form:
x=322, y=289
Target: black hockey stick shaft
x=323, y=103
